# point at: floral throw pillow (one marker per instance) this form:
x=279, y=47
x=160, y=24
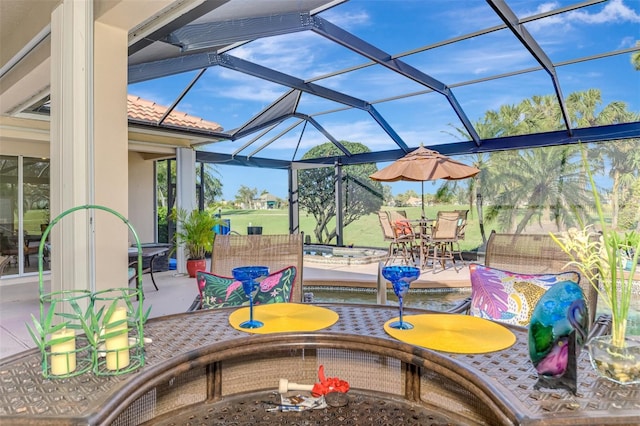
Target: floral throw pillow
x=220, y=292
x=510, y=297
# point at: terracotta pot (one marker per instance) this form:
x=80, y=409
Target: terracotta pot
x=194, y=266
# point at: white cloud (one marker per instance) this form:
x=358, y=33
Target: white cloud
x=614, y=11
x=291, y=53
x=627, y=42
x=347, y=20
x=255, y=93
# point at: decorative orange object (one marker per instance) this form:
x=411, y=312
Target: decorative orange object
x=326, y=385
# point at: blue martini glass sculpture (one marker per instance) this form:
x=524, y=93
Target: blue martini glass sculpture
x=401, y=278
x=247, y=276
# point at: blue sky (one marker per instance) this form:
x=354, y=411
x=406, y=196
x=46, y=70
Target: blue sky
x=397, y=26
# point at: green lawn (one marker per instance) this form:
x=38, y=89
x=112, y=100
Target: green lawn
x=365, y=232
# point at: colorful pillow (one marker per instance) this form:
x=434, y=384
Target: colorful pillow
x=403, y=227
x=510, y=297
x=220, y=292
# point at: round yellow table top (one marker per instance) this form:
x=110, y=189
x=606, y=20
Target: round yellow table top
x=284, y=317
x=463, y=334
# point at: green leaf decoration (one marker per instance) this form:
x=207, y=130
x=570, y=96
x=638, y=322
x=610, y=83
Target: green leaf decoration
x=68, y=316
x=60, y=340
x=145, y=317
x=115, y=333
x=58, y=327
x=39, y=341
x=49, y=318
x=37, y=325
x=110, y=312
x=114, y=324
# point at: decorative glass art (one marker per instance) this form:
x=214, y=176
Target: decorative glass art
x=558, y=330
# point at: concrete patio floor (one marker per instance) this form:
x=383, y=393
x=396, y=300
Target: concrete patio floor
x=177, y=291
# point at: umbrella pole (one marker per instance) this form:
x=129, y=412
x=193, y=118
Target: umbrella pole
x=422, y=192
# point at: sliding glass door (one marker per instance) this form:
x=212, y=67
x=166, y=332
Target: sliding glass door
x=24, y=212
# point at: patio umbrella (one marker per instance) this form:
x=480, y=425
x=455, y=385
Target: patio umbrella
x=423, y=165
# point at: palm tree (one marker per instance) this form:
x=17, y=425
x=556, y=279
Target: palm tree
x=212, y=185
x=536, y=181
x=246, y=196
x=621, y=157
x=617, y=155
x=635, y=58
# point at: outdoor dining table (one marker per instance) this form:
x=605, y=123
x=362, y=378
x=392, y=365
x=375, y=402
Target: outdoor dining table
x=199, y=359
x=422, y=229
x=149, y=255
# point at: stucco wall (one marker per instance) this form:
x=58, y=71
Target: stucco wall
x=141, y=197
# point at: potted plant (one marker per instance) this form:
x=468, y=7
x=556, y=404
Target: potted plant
x=196, y=232
x=602, y=260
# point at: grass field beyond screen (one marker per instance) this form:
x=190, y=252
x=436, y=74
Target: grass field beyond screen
x=364, y=232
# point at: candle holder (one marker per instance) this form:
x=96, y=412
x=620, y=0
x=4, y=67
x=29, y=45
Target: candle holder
x=73, y=338
x=118, y=323
x=62, y=333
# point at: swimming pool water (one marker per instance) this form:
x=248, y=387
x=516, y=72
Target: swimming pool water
x=435, y=299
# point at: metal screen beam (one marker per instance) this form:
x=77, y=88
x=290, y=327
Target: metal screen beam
x=211, y=34
x=519, y=30
x=581, y=135
x=351, y=42
x=183, y=19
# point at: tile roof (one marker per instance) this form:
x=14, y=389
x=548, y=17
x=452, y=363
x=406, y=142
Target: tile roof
x=144, y=110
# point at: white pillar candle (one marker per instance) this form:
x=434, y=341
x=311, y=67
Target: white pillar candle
x=63, y=356
x=117, y=346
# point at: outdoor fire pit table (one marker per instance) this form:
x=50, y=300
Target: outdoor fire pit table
x=197, y=359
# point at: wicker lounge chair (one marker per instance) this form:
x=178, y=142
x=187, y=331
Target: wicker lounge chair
x=536, y=254
x=275, y=251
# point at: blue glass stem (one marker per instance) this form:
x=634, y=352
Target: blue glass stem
x=251, y=306
x=400, y=302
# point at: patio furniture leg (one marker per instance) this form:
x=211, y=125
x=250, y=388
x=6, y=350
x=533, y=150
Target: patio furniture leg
x=153, y=280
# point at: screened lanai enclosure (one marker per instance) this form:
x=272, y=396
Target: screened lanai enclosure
x=351, y=86
x=319, y=94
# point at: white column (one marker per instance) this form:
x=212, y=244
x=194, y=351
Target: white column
x=71, y=137
x=88, y=148
x=185, y=193
x=110, y=155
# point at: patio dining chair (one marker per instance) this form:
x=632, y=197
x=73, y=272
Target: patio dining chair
x=400, y=236
x=462, y=223
x=444, y=244
x=4, y=261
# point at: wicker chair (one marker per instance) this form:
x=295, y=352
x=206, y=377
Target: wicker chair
x=275, y=251
x=536, y=254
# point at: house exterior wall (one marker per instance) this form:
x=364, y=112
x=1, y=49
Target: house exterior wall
x=141, y=197
x=30, y=138
x=25, y=148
